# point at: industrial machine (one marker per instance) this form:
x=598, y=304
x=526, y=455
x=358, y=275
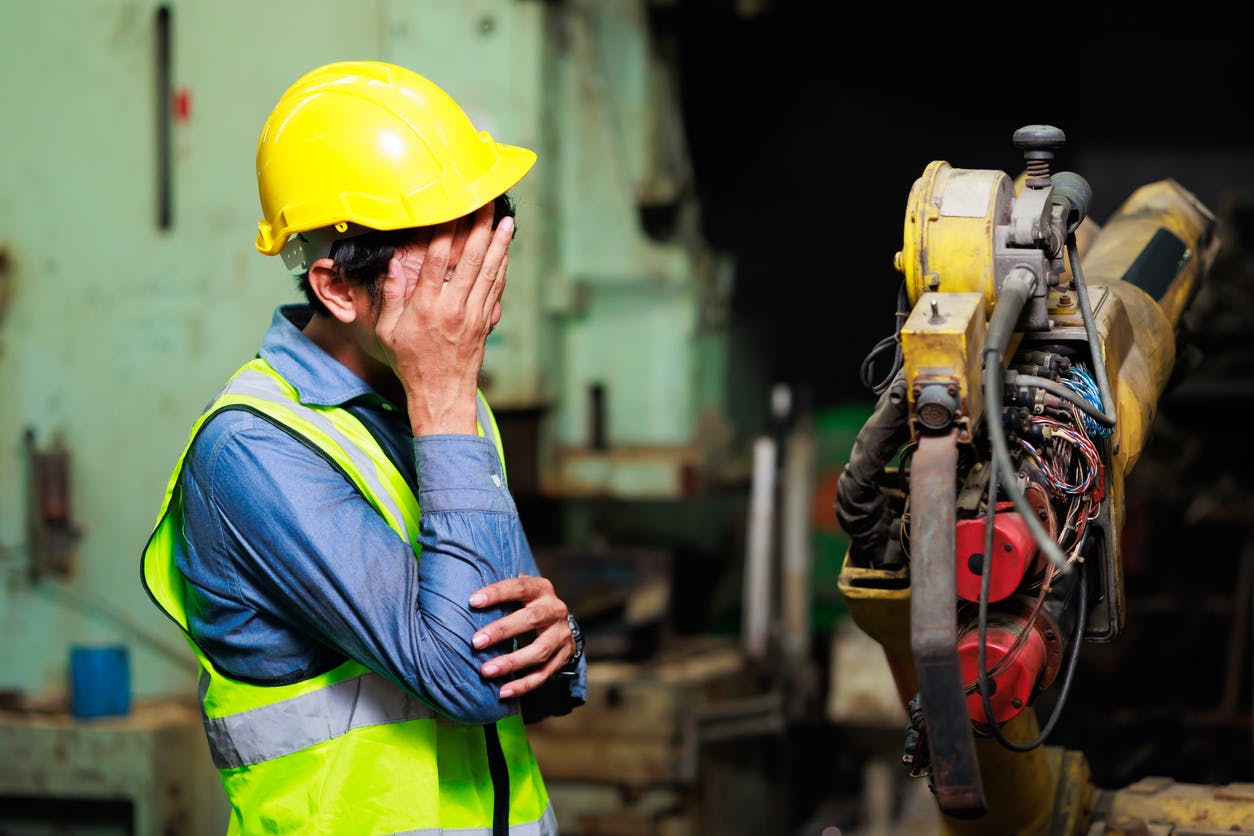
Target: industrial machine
x=984, y=497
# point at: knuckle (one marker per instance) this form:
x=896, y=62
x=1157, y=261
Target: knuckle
x=437, y=260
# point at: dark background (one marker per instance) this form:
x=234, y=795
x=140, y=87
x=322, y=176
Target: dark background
x=807, y=127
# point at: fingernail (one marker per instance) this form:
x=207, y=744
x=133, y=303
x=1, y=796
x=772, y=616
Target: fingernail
x=480, y=640
x=507, y=223
x=490, y=670
x=507, y=691
x=478, y=599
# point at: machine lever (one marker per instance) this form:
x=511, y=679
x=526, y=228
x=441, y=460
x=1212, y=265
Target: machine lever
x=955, y=770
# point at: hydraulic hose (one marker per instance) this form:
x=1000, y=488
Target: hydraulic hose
x=1014, y=294
x=861, y=508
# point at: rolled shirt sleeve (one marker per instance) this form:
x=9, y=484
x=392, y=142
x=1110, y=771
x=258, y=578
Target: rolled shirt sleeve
x=465, y=499
x=291, y=569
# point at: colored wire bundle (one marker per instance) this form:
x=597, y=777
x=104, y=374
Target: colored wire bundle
x=1082, y=383
x=1062, y=471
x=1069, y=462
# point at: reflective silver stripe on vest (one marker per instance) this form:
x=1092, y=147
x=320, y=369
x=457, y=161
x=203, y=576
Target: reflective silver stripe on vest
x=546, y=825
x=272, y=731
x=260, y=385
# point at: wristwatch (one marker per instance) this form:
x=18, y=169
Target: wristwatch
x=570, y=670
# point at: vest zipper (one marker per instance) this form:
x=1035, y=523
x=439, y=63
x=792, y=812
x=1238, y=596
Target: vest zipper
x=499, y=771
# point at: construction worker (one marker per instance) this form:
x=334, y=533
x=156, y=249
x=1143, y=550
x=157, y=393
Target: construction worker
x=338, y=541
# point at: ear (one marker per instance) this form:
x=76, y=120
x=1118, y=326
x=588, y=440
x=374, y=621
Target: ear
x=329, y=285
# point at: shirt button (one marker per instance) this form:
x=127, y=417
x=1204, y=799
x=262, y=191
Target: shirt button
x=496, y=480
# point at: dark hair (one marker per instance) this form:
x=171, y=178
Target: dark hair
x=364, y=258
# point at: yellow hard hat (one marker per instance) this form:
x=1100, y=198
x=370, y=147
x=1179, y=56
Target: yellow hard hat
x=369, y=144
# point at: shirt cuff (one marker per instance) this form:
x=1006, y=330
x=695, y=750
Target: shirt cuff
x=460, y=473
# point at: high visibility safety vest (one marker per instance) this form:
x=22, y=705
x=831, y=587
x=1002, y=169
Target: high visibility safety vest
x=345, y=752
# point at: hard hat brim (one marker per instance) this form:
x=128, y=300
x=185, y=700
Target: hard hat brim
x=512, y=164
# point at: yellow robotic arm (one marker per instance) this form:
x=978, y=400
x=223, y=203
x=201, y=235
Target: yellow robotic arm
x=984, y=496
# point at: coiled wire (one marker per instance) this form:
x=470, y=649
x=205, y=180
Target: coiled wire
x=1082, y=383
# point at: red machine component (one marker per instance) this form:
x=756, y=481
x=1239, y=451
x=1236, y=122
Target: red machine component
x=1012, y=687
x=1014, y=554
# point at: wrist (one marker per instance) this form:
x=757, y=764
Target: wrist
x=453, y=417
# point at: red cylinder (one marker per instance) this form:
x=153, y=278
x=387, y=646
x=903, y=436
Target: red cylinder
x=1013, y=688
x=1014, y=553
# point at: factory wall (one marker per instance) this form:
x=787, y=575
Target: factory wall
x=130, y=286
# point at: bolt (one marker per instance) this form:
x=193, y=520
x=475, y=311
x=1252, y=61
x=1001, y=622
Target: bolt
x=1017, y=703
x=1038, y=143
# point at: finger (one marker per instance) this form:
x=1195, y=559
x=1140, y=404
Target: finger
x=469, y=265
x=486, y=290
x=530, y=666
x=464, y=225
x=532, y=618
x=497, y=290
x=436, y=259
x=393, y=294
x=522, y=588
x=537, y=654
x=530, y=682
x=406, y=264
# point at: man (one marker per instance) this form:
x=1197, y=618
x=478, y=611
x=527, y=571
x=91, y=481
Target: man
x=338, y=541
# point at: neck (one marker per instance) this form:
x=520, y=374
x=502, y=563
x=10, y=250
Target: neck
x=346, y=344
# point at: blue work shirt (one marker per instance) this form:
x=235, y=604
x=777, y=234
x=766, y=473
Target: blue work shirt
x=290, y=569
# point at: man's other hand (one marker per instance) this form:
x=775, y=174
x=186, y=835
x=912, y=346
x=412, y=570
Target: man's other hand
x=543, y=615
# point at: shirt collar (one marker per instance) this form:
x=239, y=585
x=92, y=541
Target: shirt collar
x=320, y=379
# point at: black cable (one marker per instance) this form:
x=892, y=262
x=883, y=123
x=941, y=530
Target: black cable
x=982, y=650
x=892, y=341
x=1090, y=329
x=1014, y=293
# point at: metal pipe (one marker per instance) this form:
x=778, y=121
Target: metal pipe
x=758, y=590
